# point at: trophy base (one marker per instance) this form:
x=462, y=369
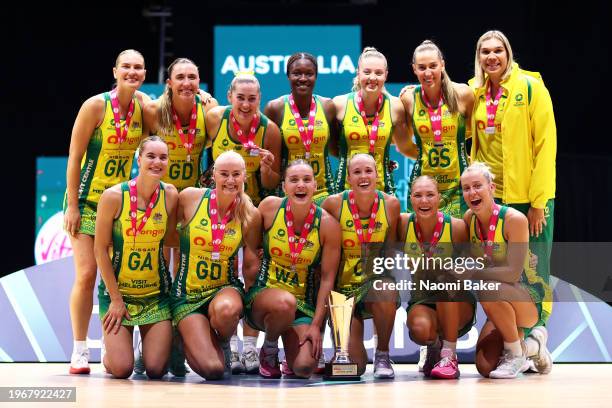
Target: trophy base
x=341, y=372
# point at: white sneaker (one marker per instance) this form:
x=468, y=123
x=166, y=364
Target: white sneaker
x=422, y=358
x=510, y=366
x=382, y=366
x=79, y=362
x=139, y=367
x=237, y=365
x=250, y=361
x=543, y=360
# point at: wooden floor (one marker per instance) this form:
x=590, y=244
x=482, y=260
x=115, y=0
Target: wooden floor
x=569, y=385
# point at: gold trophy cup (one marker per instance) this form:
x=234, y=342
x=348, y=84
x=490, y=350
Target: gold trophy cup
x=340, y=311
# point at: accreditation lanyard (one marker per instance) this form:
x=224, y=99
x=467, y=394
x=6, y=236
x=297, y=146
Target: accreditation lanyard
x=435, y=117
x=364, y=238
x=121, y=133
x=306, y=133
x=218, y=228
x=428, y=247
x=492, y=106
x=187, y=141
x=247, y=141
x=134, y=207
x=296, y=247
x=374, y=131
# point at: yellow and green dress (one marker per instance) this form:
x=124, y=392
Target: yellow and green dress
x=182, y=173
x=443, y=250
x=106, y=162
x=355, y=279
x=444, y=163
x=276, y=268
x=139, y=266
x=293, y=148
x=535, y=284
x=355, y=138
x=200, y=277
x=223, y=141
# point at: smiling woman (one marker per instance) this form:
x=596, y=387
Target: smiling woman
x=307, y=123
x=105, y=135
x=299, y=238
x=369, y=120
x=134, y=219
x=367, y=216
x=439, y=112
x=179, y=117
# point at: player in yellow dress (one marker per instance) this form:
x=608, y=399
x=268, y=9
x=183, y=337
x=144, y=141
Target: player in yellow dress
x=133, y=219
x=436, y=319
x=500, y=236
x=439, y=112
x=299, y=238
x=207, y=294
x=370, y=119
x=367, y=217
x=105, y=136
x=307, y=123
x=243, y=128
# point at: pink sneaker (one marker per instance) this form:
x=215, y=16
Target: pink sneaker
x=268, y=363
x=448, y=367
x=285, y=369
x=431, y=359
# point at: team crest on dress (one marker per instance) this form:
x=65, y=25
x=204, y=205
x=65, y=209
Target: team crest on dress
x=158, y=217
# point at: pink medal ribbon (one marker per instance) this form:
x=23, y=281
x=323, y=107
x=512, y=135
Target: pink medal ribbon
x=306, y=133
x=488, y=244
x=435, y=117
x=363, y=238
x=121, y=133
x=134, y=207
x=247, y=141
x=374, y=132
x=218, y=228
x=296, y=247
x=188, y=142
x=428, y=247
x=492, y=106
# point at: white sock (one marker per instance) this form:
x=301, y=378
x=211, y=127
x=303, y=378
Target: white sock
x=250, y=343
x=270, y=344
x=450, y=345
x=514, y=348
x=383, y=353
x=234, y=344
x=79, y=346
x=375, y=340
x=532, y=345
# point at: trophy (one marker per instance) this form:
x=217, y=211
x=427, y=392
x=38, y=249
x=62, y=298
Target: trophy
x=341, y=312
